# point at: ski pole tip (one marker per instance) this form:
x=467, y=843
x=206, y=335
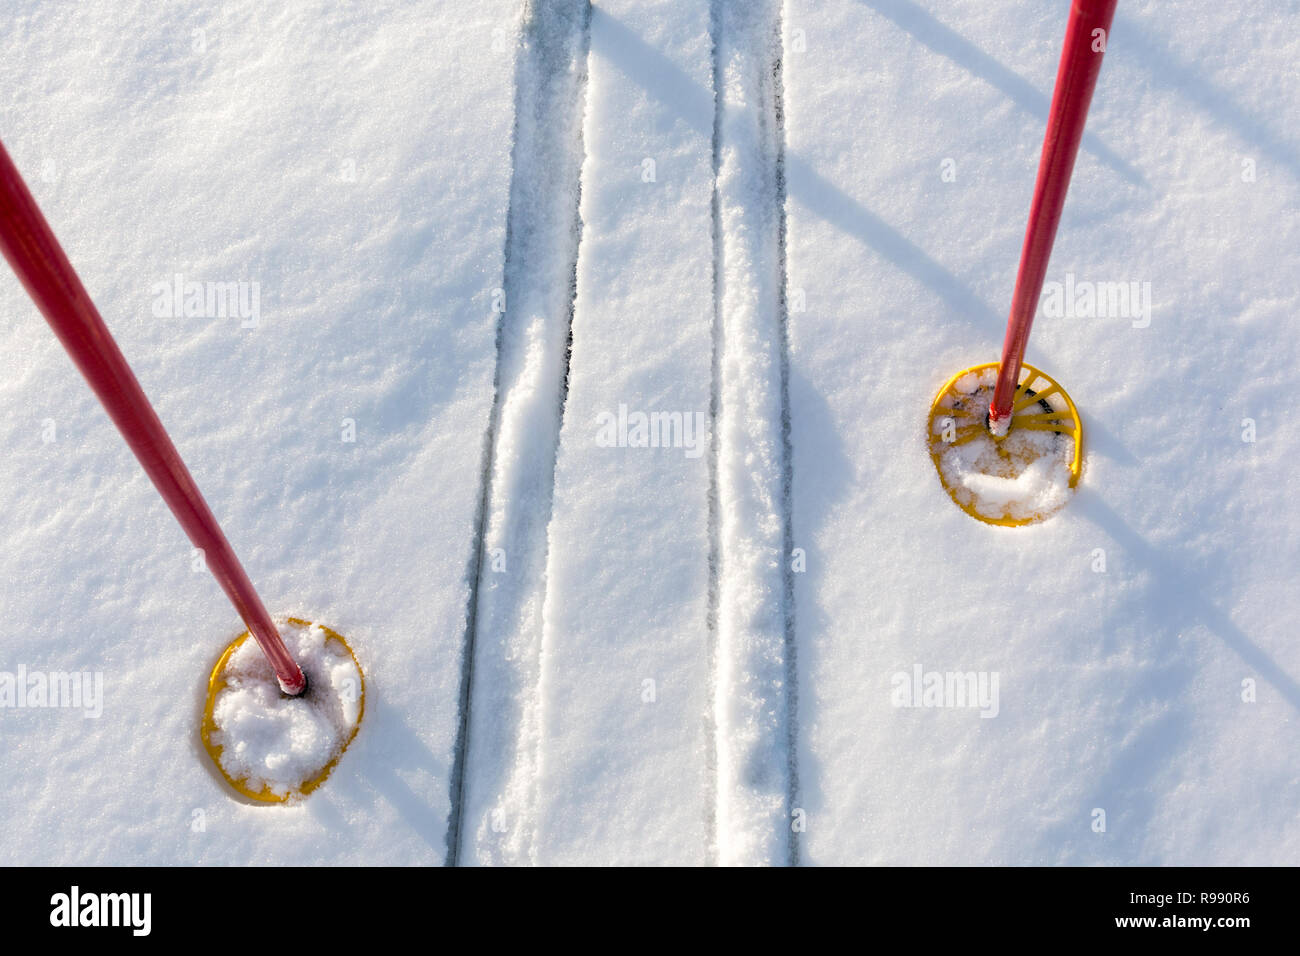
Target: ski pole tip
x=294, y=688
x=999, y=425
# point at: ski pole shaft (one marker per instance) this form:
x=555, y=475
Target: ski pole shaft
x=1076, y=77
x=41, y=265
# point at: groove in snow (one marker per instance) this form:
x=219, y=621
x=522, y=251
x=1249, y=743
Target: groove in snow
x=500, y=739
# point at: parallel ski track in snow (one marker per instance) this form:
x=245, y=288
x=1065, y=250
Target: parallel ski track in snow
x=751, y=723
x=753, y=719
x=494, y=777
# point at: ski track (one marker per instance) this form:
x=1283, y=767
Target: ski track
x=624, y=679
x=751, y=721
x=493, y=790
x=595, y=599
x=748, y=781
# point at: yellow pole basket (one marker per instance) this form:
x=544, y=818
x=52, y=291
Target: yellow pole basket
x=1020, y=478
x=209, y=731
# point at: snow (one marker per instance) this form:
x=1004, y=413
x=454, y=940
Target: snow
x=269, y=741
x=754, y=658
x=1040, y=490
x=625, y=641
x=1124, y=627
x=354, y=159
x=478, y=231
x=501, y=766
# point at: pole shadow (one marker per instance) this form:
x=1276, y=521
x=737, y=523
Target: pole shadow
x=948, y=43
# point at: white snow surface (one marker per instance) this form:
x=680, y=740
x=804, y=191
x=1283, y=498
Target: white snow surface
x=354, y=160
x=480, y=233
x=278, y=743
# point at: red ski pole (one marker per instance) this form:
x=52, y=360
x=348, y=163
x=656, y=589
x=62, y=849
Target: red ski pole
x=36, y=256
x=1085, y=44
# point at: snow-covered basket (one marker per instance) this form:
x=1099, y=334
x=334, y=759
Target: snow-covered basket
x=1023, y=477
x=269, y=746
